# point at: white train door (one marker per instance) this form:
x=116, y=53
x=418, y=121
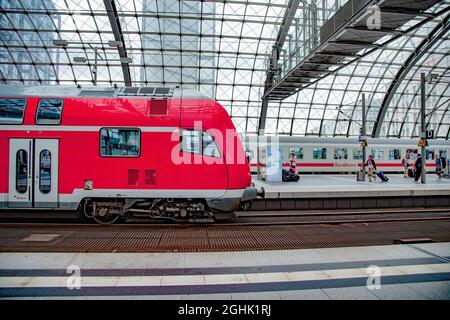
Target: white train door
x=20, y=188
x=46, y=173
x=33, y=173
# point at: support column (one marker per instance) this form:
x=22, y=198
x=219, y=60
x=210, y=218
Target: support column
x=422, y=125
x=363, y=133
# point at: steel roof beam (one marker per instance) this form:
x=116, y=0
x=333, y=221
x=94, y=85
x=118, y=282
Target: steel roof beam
x=289, y=15
x=435, y=35
x=113, y=16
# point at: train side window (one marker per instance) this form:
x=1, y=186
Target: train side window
x=209, y=146
x=49, y=111
x=443, y=153
x=22, y=171
x=297, y=151
x=12, y=111
x=116, y=142
x=394, y=154
x=412, y=153
x=357, y=154
x=319, y=153
x=191, y=141
x=377, y=154
x=429, y=154
x=340, y=153
x=45, y=172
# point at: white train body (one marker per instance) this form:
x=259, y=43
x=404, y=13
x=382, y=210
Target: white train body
x=342, y=155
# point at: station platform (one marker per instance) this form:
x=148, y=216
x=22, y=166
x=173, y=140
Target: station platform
x=344, y=192
x=409, y=271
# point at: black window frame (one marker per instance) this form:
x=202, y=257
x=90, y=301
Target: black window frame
x=119, y=128
x=37, y=112
x=23, y=113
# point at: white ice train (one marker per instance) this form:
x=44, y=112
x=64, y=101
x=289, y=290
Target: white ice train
x=343, y=155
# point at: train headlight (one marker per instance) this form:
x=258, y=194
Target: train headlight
x=88, y=185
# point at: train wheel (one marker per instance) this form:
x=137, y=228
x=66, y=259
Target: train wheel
x=110, y=219
x=105, y=216
x=245, y=206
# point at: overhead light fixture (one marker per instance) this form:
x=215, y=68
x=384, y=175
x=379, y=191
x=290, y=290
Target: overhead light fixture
x=126, y=60
x=79, y=59
x=113, y=43
x=60, y=43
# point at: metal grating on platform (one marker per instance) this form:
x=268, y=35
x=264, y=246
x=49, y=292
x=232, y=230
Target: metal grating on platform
x=211, y=238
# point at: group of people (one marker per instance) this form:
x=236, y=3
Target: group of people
x=416, y=167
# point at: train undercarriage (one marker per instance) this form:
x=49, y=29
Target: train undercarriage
x=107, y=211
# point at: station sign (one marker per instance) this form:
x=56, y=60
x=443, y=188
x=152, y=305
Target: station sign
x=428, y=134
x=423, y=143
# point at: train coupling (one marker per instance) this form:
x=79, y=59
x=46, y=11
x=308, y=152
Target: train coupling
x=261, y=193
x=251, y=193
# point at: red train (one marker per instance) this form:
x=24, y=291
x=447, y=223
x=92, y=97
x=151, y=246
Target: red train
x=119, y=152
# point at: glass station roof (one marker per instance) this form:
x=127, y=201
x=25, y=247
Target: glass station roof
x=222, y=48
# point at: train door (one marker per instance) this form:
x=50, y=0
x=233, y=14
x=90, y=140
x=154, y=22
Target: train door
x=33, y=173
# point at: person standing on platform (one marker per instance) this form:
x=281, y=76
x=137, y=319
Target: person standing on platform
x=405, y=165
x=438, y=163
x=418, y=167
x=371, y=168
x=293, y=161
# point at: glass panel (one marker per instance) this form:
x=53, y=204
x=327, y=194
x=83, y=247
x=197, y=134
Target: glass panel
x=11, y=111
x=209, y=146
x=357, y=154
x=191, y=141
x=378, y=154
x=49, y=112
x=45, y=164
x=22, y=171
x=340, y=153
x=120, y=142
x=394, y=154
x=297, y=151
x=319, y=153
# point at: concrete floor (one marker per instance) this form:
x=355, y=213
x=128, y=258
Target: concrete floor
x=419, y=271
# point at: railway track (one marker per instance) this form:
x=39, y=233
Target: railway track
x=272, y=218
x=295, y=230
